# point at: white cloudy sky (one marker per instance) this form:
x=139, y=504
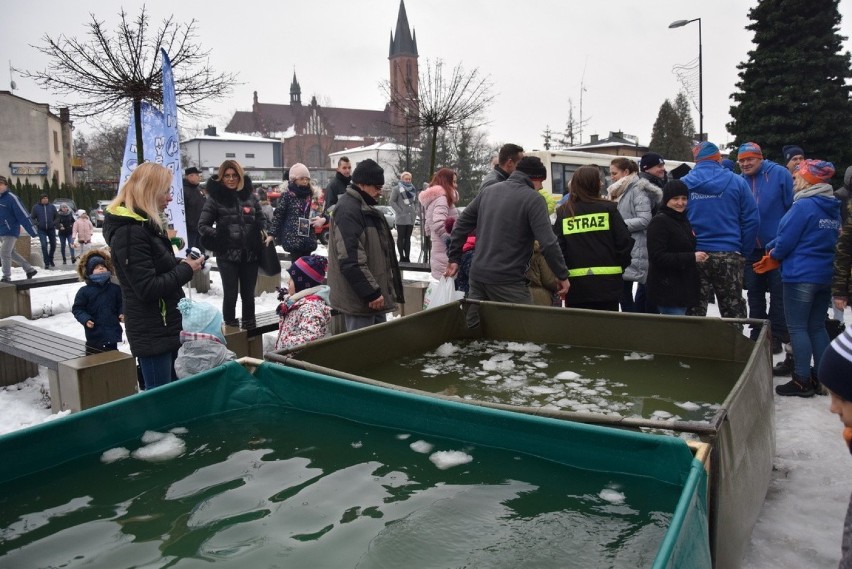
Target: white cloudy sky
x=537, y=53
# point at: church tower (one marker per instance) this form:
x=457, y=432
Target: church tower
x=295, y=92
x=404, y=74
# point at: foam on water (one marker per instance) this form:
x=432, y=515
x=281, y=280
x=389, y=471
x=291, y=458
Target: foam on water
x=445, y=459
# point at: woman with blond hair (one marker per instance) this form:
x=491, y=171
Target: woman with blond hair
x=231, y=225
x=439, y=204
x=151, y=276
x=403, y=200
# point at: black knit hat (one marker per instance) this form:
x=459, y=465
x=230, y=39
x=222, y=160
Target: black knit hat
x=835, y=366
x=368, y=172
x=650, y=160
x=532, y=167
x=191, y=170
x=674, y=188
x=792, y=150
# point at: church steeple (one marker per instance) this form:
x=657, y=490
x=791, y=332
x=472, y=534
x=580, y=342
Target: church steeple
x=403, y=42
x=404, y=73
x=295, y=91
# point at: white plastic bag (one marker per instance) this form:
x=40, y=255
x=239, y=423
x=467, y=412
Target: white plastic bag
x=441, y=292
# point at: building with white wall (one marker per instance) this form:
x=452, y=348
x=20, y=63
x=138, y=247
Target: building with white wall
x=386, y=154
x=35, y=145
x=254, y=153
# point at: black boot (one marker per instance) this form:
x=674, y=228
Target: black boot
x=796, y=387
x=816, y=385
x=784, y=368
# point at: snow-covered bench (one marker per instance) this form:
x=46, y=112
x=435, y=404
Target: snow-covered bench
x=78, y=378
x=15, y=296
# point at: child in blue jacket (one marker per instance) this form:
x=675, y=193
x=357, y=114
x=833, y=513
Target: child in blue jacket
x=98, y=305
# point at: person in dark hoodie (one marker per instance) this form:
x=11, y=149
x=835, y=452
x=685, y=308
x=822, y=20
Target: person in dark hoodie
x=804, y=250
x=673, y=281
x=231, y=226
x=724, y=215
x=337, y=186
x=98, y=305
x=193, y=202
x=151, y=276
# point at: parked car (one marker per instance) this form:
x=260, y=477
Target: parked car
x=390, y=216
x=67, y=201
x=96, y=215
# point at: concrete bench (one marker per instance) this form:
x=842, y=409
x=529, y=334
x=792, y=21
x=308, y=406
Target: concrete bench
x=15, y=296
x=247, y=338
x=78, y=378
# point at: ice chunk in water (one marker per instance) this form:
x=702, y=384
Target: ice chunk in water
x=114, y=454
x=445, y=459
x=149, y=437
x=525, y=347
x=638, y=356
x=421, y=446
x=446, y=349
x=612, y=496
x=689, y=406
x=568, y=375
x=167, y=448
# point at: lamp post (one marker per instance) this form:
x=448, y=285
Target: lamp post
x=679, y=24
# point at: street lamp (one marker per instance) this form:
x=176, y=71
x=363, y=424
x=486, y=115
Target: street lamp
x=679, y=24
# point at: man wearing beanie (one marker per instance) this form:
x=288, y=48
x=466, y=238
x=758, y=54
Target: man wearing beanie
x=508, y=218
x=835, y=373
x=723, y=214
x=44, y=216
x=652, y=167
x=772, y=188
x=793, y=154
x=13, y=216
x=507, y=160
x=363, y=273
x=202, y=343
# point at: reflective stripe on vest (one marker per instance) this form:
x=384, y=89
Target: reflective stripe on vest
x=590, y=271
x=585, y=223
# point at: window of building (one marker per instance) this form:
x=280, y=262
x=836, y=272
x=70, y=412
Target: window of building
x=249, y=155
x=55, y=141
x=230, y=155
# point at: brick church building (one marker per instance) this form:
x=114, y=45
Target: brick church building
x=310, y=132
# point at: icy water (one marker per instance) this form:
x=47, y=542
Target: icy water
x=273, y=488
x=568, y=378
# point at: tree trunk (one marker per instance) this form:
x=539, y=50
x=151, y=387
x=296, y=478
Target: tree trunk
x=137, y=118
x=433, y=157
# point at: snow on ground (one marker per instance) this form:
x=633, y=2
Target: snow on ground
x=802, y=519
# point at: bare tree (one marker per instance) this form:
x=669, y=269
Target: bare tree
x=108, y=69
x=444, y=101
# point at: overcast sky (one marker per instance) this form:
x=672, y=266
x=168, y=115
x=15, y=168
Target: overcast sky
x=537, y=53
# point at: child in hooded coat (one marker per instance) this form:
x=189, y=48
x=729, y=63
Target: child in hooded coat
x=202, y=343
x=304, y=311
x=98, y=305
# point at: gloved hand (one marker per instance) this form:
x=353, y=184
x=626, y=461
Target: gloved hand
x=765, y=265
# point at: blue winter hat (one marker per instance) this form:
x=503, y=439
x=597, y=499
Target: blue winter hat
x=93, y=262
x=200, y=317
x=728, y=164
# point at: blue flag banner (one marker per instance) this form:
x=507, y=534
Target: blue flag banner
x=161, y=145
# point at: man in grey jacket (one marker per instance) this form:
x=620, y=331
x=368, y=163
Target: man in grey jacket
x=363, y=273
x=507, y=161
x=508, y=218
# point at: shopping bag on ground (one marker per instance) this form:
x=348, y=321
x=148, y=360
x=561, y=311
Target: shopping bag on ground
x=441, y=292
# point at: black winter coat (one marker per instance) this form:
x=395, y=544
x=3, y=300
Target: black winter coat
x=151, y=279
x=285, y=221
x=672, y=274
x=336, y=188
x=102, y=304
x=231, y=222
x=65, y=224
x=193, y=203
x=596, y=245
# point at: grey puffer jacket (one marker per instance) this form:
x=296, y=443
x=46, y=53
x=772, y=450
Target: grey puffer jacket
x=362, y=263
x=637, y=206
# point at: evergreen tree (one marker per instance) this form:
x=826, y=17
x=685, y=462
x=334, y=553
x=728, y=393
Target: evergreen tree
x=794, y=88
x=684, y=113
x=547, y=136
x=667, y=137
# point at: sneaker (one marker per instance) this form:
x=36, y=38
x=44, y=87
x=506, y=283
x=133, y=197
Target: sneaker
x=783, y=368
x=31, y=274
x=796, y=387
